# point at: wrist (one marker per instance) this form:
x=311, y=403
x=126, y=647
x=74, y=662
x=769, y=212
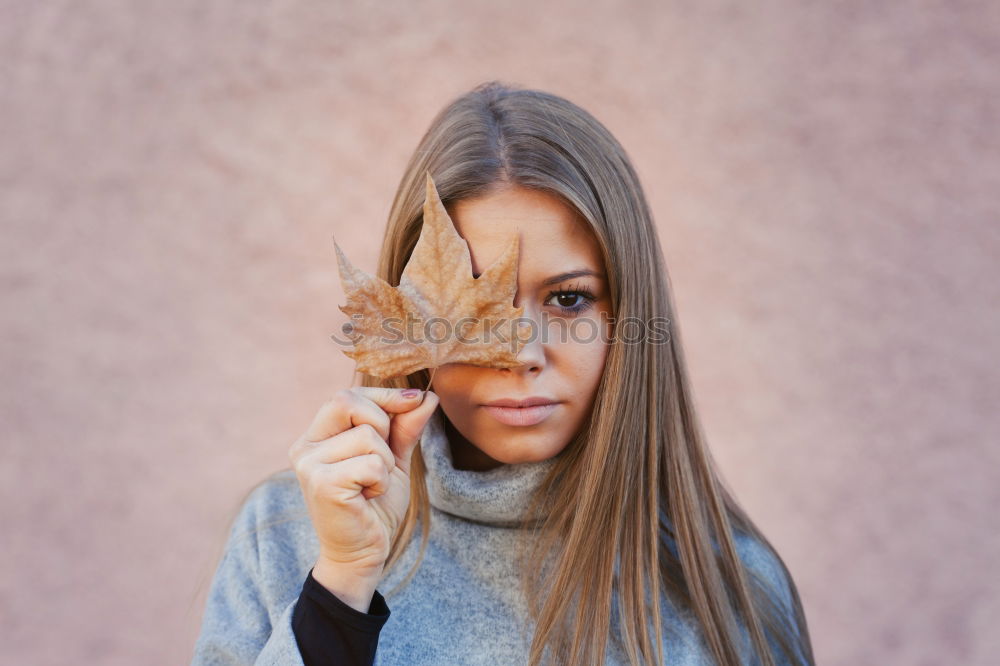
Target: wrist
x=355, y=586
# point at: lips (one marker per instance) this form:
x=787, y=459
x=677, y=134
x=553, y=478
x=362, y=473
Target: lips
x=526, y=412
x=524, y=402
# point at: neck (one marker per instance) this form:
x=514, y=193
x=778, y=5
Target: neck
x=466, y=455
x=498, y=496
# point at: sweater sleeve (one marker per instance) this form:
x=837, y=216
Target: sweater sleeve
x=236, y=627
x=259, y=611
x=242, y=623
x=329, y=631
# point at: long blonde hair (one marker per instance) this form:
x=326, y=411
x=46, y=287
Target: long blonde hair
x=640, y=466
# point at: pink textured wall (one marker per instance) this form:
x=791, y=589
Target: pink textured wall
x=826, y=181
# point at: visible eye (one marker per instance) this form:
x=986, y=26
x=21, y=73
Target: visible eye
x=572, y=301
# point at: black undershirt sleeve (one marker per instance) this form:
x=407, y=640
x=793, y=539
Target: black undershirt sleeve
x=328, y=631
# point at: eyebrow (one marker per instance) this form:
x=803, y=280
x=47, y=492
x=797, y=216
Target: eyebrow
x=562, y=277
x=580, y=272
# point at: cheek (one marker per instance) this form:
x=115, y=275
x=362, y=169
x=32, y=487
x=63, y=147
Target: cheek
x=453, y=384
x=585, y=362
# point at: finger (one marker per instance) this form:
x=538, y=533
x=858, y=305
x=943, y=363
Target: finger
x=358, y=441
x=350, y=407
x=406, y=428
x=348, y=478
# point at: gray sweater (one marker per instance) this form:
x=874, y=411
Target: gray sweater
x=462, y=607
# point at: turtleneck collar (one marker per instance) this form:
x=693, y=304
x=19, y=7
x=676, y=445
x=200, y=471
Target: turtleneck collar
x=499, y=496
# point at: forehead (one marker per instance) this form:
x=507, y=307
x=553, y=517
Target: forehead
x=552, y=235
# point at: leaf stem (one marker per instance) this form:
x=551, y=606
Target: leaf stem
x=424, y=394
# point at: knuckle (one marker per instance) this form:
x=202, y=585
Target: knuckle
x=376, y=465
x=302, y=469
x=297, y=448
x=385, y=452
x=309, y=484
x=340, y=398
x=295, y=458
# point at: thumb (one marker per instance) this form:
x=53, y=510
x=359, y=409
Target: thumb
x=391, y=400
x=405, y=429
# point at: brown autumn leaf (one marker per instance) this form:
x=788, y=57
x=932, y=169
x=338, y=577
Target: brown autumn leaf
x=439, y=313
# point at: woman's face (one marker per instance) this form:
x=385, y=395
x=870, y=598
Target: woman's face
x=561, y=283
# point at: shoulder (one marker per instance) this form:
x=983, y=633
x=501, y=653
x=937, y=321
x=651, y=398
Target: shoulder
x=275, y=498
x=272, y=526
x=766, y=568
x=761, y=560
x=767, y=572
x=763, y=565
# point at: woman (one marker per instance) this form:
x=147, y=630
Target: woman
x=543, y=528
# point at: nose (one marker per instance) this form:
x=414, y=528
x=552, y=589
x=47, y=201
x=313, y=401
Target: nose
x=532, y=352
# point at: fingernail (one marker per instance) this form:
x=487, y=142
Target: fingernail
x=410, y=393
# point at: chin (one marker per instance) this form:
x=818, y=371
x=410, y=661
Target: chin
x=525, y=452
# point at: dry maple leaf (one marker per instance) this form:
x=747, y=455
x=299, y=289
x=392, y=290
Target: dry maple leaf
x=439, y=313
